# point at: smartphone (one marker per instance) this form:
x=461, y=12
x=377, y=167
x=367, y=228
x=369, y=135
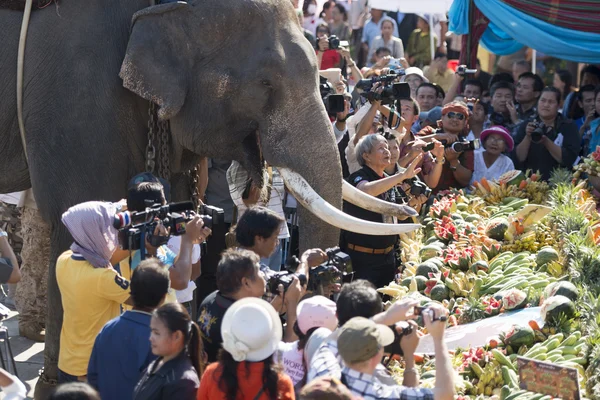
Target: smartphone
x=429, y=146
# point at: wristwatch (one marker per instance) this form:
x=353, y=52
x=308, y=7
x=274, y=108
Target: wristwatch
x=440, y=160
x=455, y=167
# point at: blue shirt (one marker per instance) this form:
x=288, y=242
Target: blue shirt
x=371, y=29
x=120, y=356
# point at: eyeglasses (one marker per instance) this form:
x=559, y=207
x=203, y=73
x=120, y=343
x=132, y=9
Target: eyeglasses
x=456, y=115
x=494, y=139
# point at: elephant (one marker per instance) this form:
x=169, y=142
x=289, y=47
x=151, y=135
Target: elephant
x=236, y=79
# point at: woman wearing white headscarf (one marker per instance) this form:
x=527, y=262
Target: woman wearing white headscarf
x=91, y=289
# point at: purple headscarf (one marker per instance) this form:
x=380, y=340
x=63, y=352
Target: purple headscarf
x=90, y=224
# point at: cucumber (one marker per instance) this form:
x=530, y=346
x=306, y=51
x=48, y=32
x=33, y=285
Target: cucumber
x=510, y=377
x=501, y=358
x=515, y=395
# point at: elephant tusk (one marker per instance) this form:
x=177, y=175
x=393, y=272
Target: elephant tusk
x=311, y=200
x=368, y=202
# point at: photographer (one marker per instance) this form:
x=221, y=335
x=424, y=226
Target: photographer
x=591, y=126
x=372, y=256
x=503, y=94
x=361, y=345
x=458, y=163
x=91, y=290
x=326, y=56
x=529, y=88
x=549, y=141
x=146, y=189
x=9, y=266
x=360, y=299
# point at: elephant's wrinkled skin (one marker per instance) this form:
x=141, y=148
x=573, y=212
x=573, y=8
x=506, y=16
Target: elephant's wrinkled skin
x=219, y=70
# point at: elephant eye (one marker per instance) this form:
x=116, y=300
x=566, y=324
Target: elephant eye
x=266, y=83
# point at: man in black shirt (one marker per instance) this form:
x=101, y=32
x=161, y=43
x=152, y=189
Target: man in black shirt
x=238, y=276
x=373, y=257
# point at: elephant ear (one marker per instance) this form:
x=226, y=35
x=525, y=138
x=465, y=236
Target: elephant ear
x=154, y=66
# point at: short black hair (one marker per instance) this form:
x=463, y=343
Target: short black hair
x=141, y=194
x=358, y=299
x=589, y=69
x=75, y=391
x=426, y=84
x=502, y=85
x=501, y=76
x=585, y=88
x=235, y=265
x=439, y=90
x=257, y=221
x=440, y=54
x=473, y=82
x=538, y=83
x=149, y=283
x=381, y=50
x=553, y=90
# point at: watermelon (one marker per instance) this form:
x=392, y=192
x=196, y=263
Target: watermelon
x=546, y=255
x=439, y=292
x=429, y=251
x=421, y=282
x=479, y=265
x=496, y=228
x=519, y=336
x=567, y=289
x=514, y=299
x=555, y=306
x=425, y=268
x=513, y=177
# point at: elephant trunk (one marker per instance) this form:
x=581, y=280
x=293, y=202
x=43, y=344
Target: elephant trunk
x=300, y=138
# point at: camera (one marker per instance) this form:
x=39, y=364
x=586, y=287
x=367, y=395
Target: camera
x=334, y=103
x=462, y=70
x=334, y=42
x=391, y=91
x=418, y=188
x=405, y=329
x=134, y=226
x=538, y=132
x=463, y=146
x=285, y=277
x=338, y=266
x=211, y=216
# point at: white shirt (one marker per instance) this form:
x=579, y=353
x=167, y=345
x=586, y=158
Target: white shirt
x=500, y=166
x=187, y=294
x=291, y=358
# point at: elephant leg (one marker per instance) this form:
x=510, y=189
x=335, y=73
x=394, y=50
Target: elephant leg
x=31, y=295
x=60, y=239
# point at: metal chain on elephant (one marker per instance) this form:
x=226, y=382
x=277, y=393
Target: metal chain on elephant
x=150, y=150
x=193, y=179
x=164, y=164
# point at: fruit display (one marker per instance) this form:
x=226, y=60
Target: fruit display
x=507, y=245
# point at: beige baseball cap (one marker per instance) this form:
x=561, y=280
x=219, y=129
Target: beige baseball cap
x=360, y=339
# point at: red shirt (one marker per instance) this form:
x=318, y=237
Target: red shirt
x=331, y=59
x=250, y=375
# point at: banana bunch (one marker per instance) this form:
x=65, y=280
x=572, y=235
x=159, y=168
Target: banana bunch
x=490, y=377
x=460, y=283
x=410, y=269
x=537, y=191
x=513, y=271
x=497, y=192
x=410, y=245
x=567, y=352
x=524, y=242
x=394, y=290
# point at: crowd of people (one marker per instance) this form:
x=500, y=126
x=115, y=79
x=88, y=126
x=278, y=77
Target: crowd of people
x=210, y=315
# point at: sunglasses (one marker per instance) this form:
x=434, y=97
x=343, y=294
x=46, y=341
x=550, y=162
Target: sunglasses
x=456, y=115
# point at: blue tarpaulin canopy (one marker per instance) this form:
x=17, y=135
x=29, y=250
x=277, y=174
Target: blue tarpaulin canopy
x=510, y=29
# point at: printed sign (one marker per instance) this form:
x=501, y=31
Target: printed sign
x=549, y=379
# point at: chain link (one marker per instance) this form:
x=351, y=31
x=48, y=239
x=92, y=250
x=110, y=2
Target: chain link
x=193, y=179
x=150, y=149
x=164, y=165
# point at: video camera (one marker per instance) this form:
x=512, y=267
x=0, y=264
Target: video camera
x=391, y=91
x=462, y=146
x=338, y=266
x=334, y=103
x=462, y=70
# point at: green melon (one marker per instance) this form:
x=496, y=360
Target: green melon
x=513, y=177
x=519, y=336
x=555, y=306
x=406, y=282
x=429, y=251
x=496, y=228
x=439, y=292
x=437, y=261
x=425, y=268
x=567, y=289
x=421, y=283
x=546, y=255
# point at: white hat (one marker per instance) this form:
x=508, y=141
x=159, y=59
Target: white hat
x=251, y=330
x=413, y=71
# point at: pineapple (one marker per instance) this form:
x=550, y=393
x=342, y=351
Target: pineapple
x=472, y=311
x=560, y=176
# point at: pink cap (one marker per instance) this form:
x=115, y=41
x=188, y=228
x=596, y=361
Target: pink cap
x=316, y=311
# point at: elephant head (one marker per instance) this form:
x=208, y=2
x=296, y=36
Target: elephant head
x=238, y=80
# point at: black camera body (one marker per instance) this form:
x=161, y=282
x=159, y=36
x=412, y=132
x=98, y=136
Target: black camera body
x=539, y=131
x=462, y=146
x=418, y=188
x=334, y=42
x=404, y=329
x=334, y=103
x=497, y=118
x=391, y=90
x=211, y=216
x=285, y=277
x=134, y=226
x=337, y=267
x=463, y=70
